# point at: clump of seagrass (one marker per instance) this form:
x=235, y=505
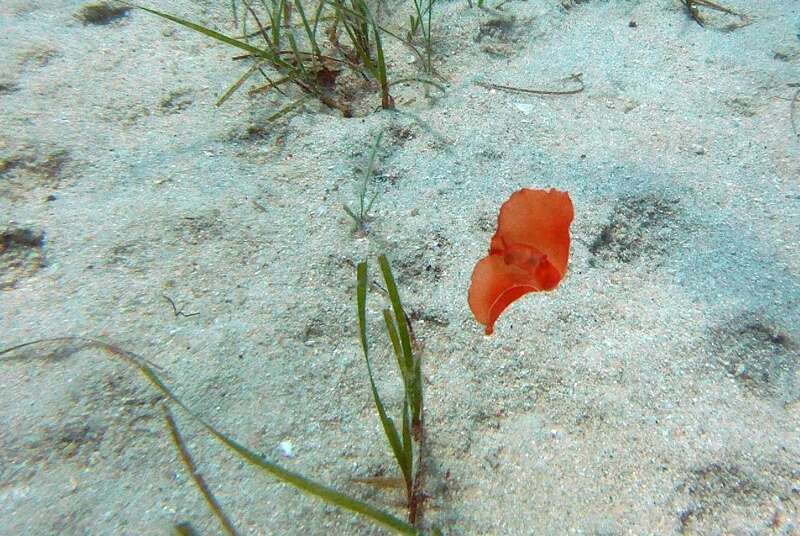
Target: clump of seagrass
x=286, y=45
x=406, y=445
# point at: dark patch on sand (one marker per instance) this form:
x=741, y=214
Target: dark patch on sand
x=759, y=356
x=721, y=494
x=102, y=13
x=28, y=168
x=639, y=227
x=20, y=254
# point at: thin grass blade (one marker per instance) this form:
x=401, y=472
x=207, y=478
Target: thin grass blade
x=386, y=99
x=216, y=35
x=408, y=375
x=288, y=108
x=261, y=30
x=408, y=445
x=371, y=202
x=309, y=33
x=384, y=482
x=397, y=307
x=298, y=58
x=317, y=16
x=236, y=85
x=352, y=215
x=276, y=14
x=418, y=20
x=272, y=84
x=199, y=481
x=428, y=41
x=398, y=350
x=405, y=338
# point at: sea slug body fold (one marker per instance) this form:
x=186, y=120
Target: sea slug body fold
x=529, y=252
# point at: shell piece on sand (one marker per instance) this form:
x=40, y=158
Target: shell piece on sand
x=529, y=252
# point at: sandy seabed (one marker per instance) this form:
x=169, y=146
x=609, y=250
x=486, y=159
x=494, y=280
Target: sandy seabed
x=654, y=392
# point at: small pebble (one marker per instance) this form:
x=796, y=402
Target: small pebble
x=286, y=448
x=524, y=107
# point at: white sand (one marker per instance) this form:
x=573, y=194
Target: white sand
x=655, y=392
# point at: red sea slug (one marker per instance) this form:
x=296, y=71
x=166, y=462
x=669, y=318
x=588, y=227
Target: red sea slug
x=529, y=252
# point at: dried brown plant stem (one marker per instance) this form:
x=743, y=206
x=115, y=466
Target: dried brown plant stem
x=573, y=78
